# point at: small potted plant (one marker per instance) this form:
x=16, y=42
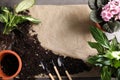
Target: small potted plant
x=108, y=56
x=106, y=14
x=10, y=18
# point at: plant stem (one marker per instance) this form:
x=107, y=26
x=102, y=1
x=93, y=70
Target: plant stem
x=5, y=29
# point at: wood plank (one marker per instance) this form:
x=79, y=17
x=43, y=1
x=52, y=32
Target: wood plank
x=46, y=2
x=74, y=78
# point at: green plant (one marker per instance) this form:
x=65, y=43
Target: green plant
x=106, y=13
x=11, y=18
x=108, y=57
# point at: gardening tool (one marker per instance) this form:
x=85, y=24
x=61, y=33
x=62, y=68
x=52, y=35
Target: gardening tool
x=61, y=64
x=46, y=69
x=56, y=70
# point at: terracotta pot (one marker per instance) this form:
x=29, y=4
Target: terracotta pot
x=99, y=27
x=9, y=52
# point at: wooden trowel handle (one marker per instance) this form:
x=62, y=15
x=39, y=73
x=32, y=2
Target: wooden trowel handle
x=51, y=76
x=58, y=74
x=68, y=75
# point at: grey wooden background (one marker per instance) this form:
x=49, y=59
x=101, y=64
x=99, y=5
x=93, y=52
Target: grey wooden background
x=46, y=2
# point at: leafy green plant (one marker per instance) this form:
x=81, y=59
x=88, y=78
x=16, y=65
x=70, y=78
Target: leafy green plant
x=102, y=13
x=11, y=18
x=108, y=57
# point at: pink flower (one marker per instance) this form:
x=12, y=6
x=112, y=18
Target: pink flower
x=111, y=10
x=106, y=15
x=106, y=19
x=106, y=7
x=114, y=11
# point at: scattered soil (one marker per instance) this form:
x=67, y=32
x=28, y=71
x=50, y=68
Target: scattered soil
x=32, y=53
x=9, y=64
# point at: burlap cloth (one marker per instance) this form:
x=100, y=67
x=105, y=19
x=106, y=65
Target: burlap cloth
x=64, y=29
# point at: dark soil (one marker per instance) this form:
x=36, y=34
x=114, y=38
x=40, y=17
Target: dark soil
x=29, y=49
x=9, y=64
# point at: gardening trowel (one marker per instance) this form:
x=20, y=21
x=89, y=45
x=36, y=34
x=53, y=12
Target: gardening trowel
x=46, y=69
x=61, y=64
x=56, y=70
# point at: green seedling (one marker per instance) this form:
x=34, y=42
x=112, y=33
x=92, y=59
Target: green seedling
x=11, y=18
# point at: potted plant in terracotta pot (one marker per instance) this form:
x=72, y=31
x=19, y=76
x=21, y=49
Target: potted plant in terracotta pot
x=10, y=18
x=106, y=14
x=108, y=56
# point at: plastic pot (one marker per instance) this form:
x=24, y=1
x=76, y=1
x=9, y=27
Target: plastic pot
x=2, y=55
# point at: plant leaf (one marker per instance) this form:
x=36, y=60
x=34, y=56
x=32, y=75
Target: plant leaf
x=95, y=17
x=118, y=46
x=3, y=18
x=18, y=20
x=92, y=4
x=104, y=1
x=92, y=59
x=97, y=46
x=31, y=19
x=111, y=26
x=115, y=25
x=107, y=28
x=99, y=3
x=114, y=45
x=25, y=4
x=116, y=63
x=99, y=36
x=4, y=9
x=105, y=73
x=109, y=55
x=118, y=74
x=99, y=60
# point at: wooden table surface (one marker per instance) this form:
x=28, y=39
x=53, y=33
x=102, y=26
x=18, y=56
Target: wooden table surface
x=46, y=2
x=89, y=78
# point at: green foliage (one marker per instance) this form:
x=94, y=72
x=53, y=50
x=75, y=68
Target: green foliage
x=29, y=18
x=108, y=57
x=114, y=45
x=105, y=73
x=97, y=46
x=25, y=4
x=100, y=37
x=99, y=60
x=111, y=26
x=95, y=17
x=92, y=4
x=118, y=74
x=99, y=3
x=96, y=4
x=11, y=19
x=116, y=64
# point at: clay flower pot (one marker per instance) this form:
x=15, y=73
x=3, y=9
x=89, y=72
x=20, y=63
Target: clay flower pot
x=99, y=27
x=8, y=61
